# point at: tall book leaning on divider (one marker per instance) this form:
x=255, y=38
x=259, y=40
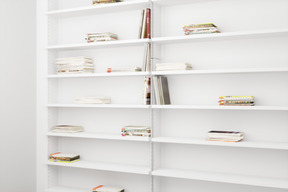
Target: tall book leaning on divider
x=161, y=90
x=145, y=24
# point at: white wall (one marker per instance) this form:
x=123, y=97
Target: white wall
x=18, y=95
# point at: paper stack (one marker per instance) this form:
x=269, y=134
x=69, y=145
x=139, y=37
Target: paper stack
x=173, y=66
x=227, y=136
x=63, y=158
x=72, y=65
x=66, y=129
x=96, y=37
x=203, y=28
x=132, y=130
x=93, y=100
x=96, y=2
x=105, y=188
x=236, y=100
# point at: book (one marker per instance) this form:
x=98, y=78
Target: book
x=141, y=23
x=74, y=65
x=95, y=2
x=66, y=129
x=148, y=23
x=161, y=90
x=105, y=188
x=132, y=130
x=203, y=28
x=147, y=91
x=227, y=136
x=236, y=100
x=92, y=100
x=63, y=157
x=98, y=37
x=147, y=58
x=133, y=69
x=143, y=28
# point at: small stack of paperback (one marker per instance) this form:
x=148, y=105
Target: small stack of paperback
x=236, y=100
x=204, y=28
x=173, y=66
x=145, y=24
x=132, y=130
x=133, y=69
x=98, y=37
x=72, y=65
x=104, y=188
x=96, y=2
x=63, y=158
x=162, y=96
x=66, y=129
x=227, y=136
x=93, y=100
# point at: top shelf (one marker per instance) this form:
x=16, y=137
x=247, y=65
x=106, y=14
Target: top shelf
x=99, y=9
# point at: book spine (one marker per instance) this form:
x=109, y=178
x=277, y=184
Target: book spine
x=148, y=22
x=141, y=24
x=143, y=33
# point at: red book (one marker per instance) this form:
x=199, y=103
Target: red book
x=148, y=23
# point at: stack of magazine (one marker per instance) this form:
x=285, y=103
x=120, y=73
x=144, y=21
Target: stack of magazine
x=227, y=136
x=173, y=66
x=98, y=37
x=66, y=129
x=93, y=100
x=105, y=188
x=161, y=90
x=145, y=24
x=203, y=28
x=96, y=2
x=236, y=100
x=64, y=158
x=73, y=65
x=132, y=130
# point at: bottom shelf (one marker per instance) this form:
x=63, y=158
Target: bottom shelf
x=104, y=167
x=223, y=178
x=67, y=189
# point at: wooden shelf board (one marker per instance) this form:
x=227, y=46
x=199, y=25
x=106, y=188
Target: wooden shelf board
x=85, y=46
x=100, y=9
x=202, y=141
x=217, y=107
x=99, y=136
x=221, y=36
x=99, y=106
x=115, y=74
x=104, y=167
x=223, y=178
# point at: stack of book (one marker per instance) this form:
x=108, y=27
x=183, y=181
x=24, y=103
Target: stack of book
x=173, y=66
x=203, y=28
x=105, y=188
x=162, y=96
x=63, y=158
x=236, y=100
x=96, y=2
x=74, y=65
x=145, y=24
x=98, y=37
x=133, y=69
x=66, y=129
x=227, y=136
x=93, y=100
x=132, y=130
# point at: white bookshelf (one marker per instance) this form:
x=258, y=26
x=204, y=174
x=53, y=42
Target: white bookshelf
x=248, y=57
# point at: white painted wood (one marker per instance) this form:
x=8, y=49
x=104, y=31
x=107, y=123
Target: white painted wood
x=100, y=9
x=103, y=166
x=220, y=177
x=201, y=141
x=98, y=136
